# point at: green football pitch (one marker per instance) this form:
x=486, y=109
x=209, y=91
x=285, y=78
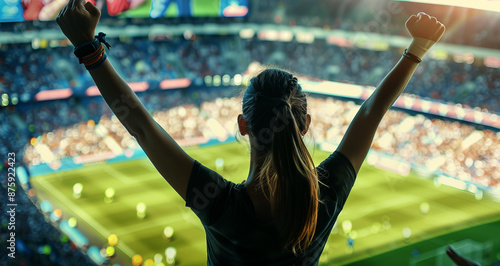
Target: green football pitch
x=381, y=205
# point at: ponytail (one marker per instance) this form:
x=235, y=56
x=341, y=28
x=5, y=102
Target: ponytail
x=290, y=178
x=275, y=111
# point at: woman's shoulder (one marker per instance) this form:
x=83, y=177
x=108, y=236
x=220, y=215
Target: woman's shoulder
x=335, y=163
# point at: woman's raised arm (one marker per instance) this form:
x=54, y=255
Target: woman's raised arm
x=78, y=21
x=426, y=31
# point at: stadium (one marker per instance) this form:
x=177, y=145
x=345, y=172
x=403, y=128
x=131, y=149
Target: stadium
x=77, y=188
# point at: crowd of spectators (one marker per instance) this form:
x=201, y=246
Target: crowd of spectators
x=175, y=111
x=471, y=85
x=225, y=111
x=138, y=59
x=37, y=241
x=42, y=117
x=27, y=71
x=453, y=148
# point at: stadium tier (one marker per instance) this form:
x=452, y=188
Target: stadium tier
x=470, y=84
x=85, y=193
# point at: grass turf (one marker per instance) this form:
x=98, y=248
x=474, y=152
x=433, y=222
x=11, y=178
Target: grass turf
x=381, y=204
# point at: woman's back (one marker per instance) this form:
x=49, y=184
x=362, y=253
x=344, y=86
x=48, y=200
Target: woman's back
x=236, y=235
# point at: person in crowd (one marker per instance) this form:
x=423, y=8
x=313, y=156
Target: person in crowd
x=284, y=212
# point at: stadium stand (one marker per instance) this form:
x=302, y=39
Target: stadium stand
x=28, y=69
x=472, y=85
x=458, y=150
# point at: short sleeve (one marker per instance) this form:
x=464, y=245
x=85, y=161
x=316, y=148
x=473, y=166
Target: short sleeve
x=206, y=193
x=338, y=173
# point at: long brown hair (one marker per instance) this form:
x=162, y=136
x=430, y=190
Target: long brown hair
x=275, y=108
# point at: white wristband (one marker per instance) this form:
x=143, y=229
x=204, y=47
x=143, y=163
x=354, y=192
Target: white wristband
x=420, y=46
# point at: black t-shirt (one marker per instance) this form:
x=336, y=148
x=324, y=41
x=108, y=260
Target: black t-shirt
x=234, y=234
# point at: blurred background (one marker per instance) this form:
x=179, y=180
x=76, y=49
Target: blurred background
x=86, y=194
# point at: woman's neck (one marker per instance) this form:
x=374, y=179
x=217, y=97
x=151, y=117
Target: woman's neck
x=253, y=172
x=261, y=204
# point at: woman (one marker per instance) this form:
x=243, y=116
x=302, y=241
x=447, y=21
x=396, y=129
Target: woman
x=285, y=211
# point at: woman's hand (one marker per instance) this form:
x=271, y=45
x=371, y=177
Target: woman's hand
x=425, y=26
x=425, y=31
x=78, y=21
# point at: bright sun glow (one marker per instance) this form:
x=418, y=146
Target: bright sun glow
x=491, y=5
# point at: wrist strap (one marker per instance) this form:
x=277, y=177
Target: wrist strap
x=94, y=59
x=412, y=57
x=420, y=46
x=90, y=47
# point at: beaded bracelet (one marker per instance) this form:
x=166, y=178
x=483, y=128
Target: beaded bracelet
x=94, y=59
